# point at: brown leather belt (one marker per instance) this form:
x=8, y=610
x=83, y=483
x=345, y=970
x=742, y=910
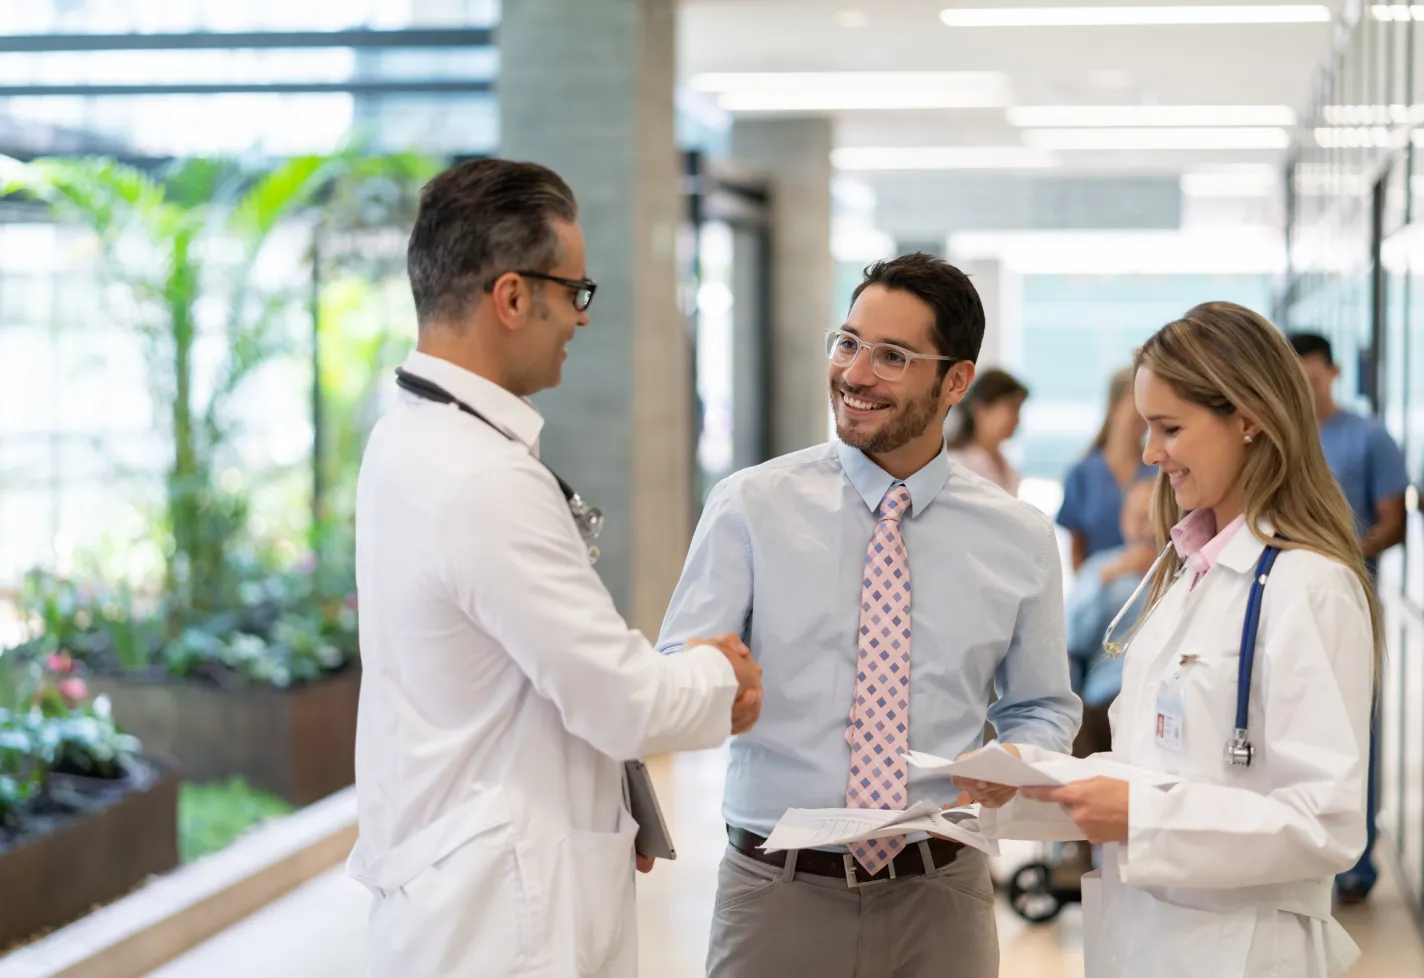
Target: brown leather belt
x=842, y=865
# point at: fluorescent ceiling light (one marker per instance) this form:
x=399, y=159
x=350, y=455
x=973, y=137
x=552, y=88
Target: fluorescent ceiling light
x=1397, y=12
x=941, y=158
x=1033, y=116
x=831, y=91
x=1131, y=15
x=1358, y=137
x=1253, y=181
x=1129, y=139
x=1237, y=250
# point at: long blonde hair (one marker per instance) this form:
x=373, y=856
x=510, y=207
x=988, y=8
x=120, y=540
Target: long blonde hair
x=1227, y=358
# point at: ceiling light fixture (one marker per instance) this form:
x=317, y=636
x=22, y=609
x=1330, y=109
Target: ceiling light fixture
x=1397, y=12
x=1245, y=137
x=1245, y=182
x=1035, y=116
x=832, y=91
x=941, y=158
x=1136, y=15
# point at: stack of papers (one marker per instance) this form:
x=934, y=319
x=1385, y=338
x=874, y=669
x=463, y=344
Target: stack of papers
x=813, y=828
x=997, y=766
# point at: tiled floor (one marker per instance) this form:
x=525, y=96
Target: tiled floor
x=318, y=931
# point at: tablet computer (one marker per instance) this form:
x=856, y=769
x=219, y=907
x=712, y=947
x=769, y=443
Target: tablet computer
x=653, y=838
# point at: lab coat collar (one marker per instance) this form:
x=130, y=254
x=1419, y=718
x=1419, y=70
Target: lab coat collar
x=1244, y=550
x=872, y=482
x=515, y=414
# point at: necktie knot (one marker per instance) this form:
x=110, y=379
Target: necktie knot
x=895, y=504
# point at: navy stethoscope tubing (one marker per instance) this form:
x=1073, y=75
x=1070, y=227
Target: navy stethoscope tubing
x=1239, y=751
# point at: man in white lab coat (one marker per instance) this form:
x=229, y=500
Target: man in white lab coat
x=501, y=689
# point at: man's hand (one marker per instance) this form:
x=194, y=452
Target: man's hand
x=645, y=863
x=986, y=793
x=1098, y=806
x=746, y=708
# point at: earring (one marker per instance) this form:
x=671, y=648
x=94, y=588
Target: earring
x=1250, y=439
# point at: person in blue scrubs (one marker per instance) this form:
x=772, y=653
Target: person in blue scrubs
x=1093, y=489
x=1371, y=470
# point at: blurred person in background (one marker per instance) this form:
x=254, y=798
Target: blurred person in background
x=1101, y=587
x=1093, y=489
x=1371, y=470
x=987, y=417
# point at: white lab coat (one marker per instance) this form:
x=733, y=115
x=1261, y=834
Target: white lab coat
x=1229, y=874
x=500, y=693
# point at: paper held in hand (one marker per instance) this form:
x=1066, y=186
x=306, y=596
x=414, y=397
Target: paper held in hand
x=1045, y=768
x=811, y=828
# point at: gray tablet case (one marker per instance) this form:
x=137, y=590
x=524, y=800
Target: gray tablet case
x=653, y=836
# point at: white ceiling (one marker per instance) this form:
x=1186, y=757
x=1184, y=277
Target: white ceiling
x=1248, y=65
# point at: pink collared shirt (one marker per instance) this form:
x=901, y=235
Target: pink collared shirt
x=1198, y=542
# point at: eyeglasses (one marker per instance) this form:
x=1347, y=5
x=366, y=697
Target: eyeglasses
x=583, y=288
x=889, y=362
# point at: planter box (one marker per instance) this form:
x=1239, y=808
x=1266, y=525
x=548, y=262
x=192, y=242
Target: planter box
x=65, y=867
x=299, y=743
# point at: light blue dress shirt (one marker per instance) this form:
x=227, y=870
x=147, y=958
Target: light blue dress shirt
x=778, y=558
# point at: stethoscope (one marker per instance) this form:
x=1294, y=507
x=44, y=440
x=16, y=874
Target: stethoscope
x=1239, y=751
x=588, y=519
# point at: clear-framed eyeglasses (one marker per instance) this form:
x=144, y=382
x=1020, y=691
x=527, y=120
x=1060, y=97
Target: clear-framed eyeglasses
x=888, y=361
x=1112, y=644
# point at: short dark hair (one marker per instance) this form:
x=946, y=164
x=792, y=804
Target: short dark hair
x=479, y=220
x=1311, y=344
x=959, y=314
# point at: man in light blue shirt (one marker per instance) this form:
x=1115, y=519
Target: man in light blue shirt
x=784, y=556
x=1370, y=469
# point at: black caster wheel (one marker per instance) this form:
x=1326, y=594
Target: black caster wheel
x=1031, y=893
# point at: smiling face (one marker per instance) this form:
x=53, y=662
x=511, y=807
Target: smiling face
x=553, y=320
x=1201, y=450
x=877, y=415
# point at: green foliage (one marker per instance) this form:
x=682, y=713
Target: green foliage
x=189, y=234
x=211, y=816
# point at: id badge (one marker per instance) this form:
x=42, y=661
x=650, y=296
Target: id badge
x=1169, y=713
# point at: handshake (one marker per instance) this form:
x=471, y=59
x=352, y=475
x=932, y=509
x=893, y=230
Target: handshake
x=746, y=708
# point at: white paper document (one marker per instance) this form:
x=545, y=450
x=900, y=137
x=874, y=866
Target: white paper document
x=994, y=764
x=811, y=828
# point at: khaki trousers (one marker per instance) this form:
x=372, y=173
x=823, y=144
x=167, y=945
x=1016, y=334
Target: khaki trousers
x=772, y=923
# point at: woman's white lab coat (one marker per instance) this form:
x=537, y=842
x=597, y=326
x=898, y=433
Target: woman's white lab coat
x=1229, y=874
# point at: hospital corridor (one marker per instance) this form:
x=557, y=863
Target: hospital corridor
x=319, y=930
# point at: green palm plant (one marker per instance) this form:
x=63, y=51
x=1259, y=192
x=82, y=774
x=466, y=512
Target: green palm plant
x=190, y=234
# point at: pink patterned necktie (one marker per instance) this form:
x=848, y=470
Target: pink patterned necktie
x=878, y=730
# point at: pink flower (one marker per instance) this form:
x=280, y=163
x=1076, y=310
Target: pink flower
x=60, y=663
x=73, y=690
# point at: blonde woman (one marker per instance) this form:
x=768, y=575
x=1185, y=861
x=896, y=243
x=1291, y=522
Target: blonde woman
x=1228, y=871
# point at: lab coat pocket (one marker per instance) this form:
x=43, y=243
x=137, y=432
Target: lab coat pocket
x=602, y=881
x=1168, y=940
x=464, y=914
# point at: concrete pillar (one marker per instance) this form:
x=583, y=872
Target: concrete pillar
x=587, y=89
x=796, y=154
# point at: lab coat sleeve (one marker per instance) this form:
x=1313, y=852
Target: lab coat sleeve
x=517, y=565
x=714, y=594
x=1036, y=703
x=1315, y=650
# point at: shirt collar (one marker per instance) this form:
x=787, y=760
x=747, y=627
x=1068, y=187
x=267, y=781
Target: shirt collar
x=516, y=415
x=873, y=482
x=1200, y=544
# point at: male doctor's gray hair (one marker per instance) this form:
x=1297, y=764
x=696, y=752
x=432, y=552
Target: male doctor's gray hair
x=479, y=220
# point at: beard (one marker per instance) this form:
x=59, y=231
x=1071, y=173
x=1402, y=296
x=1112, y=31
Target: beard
x=901, y=426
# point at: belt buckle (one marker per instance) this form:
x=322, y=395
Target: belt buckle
x=856, y=884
